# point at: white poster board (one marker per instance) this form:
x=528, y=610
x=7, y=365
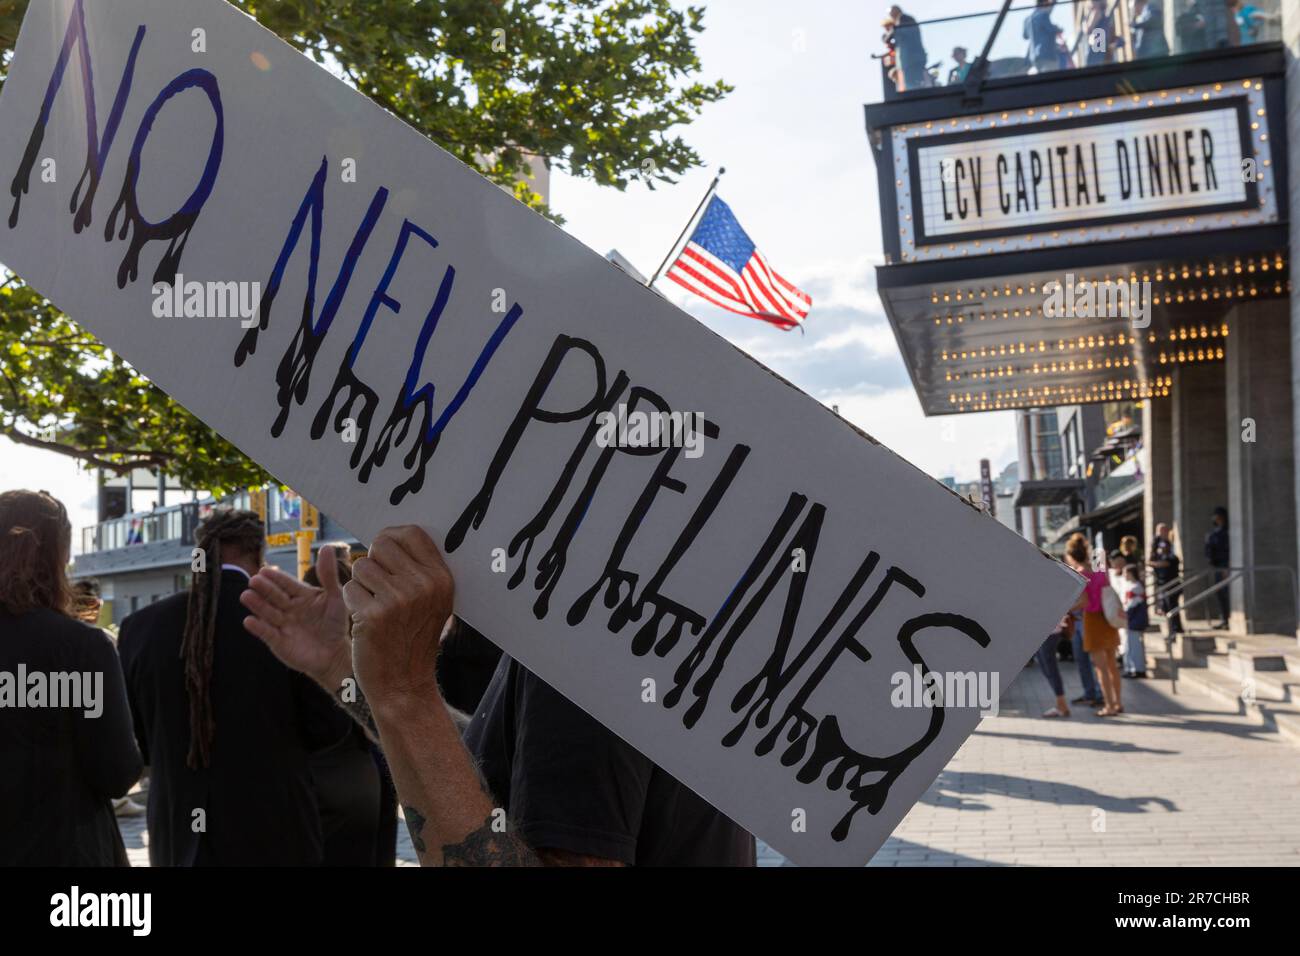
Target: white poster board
x=468, y=344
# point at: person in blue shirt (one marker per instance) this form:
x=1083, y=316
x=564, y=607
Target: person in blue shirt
x=1041, y=33
x=957, y=75
x=1250, y=19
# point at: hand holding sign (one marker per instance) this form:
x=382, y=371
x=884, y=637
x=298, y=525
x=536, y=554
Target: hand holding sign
x=400, y=597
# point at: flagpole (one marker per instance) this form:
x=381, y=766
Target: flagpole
x=690, y=222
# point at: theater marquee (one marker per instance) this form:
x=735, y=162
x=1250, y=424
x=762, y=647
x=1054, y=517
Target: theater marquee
x=1172, y=161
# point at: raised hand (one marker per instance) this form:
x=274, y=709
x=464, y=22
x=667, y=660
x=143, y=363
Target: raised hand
x=400, y=596
x=305, y=627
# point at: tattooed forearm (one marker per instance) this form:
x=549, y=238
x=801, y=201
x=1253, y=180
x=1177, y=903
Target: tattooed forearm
x=415, y=823
x=486, y=847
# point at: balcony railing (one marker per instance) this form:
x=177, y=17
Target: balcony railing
x=176, y=523
x=1115, y=486
x=922, y=55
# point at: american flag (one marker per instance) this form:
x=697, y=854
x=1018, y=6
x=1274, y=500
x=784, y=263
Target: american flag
x=721, y=264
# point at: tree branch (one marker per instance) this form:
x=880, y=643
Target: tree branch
x=152, y=460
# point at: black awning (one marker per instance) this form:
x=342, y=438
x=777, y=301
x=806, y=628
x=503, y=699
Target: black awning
x=1048, y=492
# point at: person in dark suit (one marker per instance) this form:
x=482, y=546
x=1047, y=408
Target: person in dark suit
x=349, y=779
x=67, y=753
x=1217, y=552
x=225, y=727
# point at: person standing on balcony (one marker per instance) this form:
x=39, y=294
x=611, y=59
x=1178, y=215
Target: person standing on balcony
x=1209, y=25
x=225, y=727
x=957, y=75
x=1099, y=35
x=1217, y=553
x=909, y=49
x=62, y=765
x=1149, y=30
x=1042, y=35
x=1251, y=20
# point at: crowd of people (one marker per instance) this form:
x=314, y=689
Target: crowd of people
x=1203, y=25
x=1104, y=632
x=280, y=722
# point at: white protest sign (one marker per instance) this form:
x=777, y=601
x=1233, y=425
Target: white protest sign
x=751, y=617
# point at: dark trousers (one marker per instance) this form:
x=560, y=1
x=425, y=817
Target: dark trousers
x=348, y=792
x=1046, y=657
x=1225, y=603
x=1169, y=608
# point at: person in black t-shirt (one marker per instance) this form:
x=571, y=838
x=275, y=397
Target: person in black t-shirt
x=569, y=784
x=575, y=794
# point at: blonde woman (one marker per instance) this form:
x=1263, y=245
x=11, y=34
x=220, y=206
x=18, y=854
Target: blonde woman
x=1100, y=639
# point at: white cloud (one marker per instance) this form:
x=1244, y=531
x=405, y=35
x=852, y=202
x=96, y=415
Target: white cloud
x=940, y=446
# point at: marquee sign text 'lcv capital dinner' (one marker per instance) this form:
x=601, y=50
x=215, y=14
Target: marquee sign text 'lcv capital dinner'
x=1101, y=168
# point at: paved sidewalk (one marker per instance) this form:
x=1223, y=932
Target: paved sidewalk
x=1176, y=780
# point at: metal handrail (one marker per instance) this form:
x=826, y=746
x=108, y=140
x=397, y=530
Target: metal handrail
x=1236, y=573
x=1248, y=572
x=1179, y=584
x=1213, y=589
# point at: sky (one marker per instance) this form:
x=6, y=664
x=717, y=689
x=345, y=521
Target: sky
x=802, y=182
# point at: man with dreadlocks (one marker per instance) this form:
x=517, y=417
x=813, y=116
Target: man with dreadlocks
x=224, y=726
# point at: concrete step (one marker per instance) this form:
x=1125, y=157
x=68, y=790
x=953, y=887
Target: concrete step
x=1213, y=684
x=1288, y=727
x=1262, y=652
x=1278, y=686
x=1158, y=665
x=1281, y=716
x=1272, y=682
x=1189, y=647
x=1245, y=661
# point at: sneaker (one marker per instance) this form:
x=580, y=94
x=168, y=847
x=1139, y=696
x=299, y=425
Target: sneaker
x=126, y=807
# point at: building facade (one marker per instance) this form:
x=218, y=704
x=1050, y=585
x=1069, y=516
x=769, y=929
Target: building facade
x=1102, y=243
